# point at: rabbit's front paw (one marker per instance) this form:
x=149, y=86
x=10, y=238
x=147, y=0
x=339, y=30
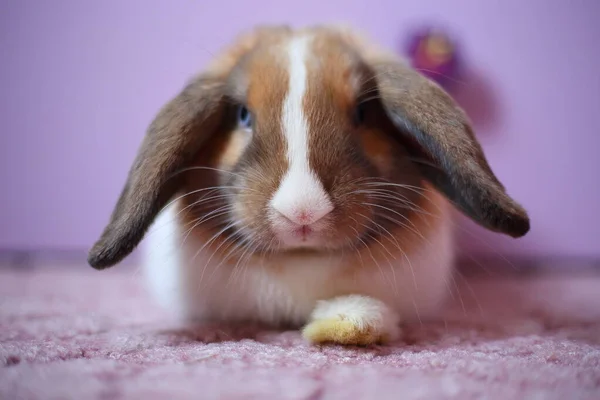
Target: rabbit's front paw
x=352, y=320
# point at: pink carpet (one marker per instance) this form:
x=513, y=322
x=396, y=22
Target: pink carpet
x=79, y=334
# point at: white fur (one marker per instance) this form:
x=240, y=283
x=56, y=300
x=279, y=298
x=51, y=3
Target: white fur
x=301, y=197
x=288, y=288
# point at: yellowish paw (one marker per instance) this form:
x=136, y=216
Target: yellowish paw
x=342, y=331
x=352, y=320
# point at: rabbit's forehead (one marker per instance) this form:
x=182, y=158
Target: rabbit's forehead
x=292, y=65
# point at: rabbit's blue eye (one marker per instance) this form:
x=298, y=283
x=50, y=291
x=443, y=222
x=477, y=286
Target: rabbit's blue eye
x=244, y=117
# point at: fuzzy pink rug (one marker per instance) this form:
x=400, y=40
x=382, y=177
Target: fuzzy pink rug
x=79, y=334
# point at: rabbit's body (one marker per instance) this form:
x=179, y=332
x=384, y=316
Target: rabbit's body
x=284, y=289
x=307, y=177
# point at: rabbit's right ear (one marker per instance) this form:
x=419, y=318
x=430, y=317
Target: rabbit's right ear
x=173, y=138
x=432, y=127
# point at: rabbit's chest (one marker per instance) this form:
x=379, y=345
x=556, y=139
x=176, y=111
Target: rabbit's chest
x=289, y=292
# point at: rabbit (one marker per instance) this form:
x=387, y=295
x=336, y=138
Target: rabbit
x=306, y=178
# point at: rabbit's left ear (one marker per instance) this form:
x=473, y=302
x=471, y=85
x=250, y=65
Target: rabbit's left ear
x=177, y=133
x=434, y=128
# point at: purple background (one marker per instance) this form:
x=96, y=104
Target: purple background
x=81, y=80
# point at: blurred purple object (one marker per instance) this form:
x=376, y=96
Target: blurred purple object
x=433, y=53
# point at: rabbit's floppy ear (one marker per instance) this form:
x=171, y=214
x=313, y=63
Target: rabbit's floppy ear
x=173, y=138
x=439, y=136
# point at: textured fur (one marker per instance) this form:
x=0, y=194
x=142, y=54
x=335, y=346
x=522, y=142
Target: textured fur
x=284, y=289
x=304, y=177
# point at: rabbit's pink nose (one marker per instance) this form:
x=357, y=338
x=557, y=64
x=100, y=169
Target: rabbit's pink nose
x=301, y=199
x=305, y=216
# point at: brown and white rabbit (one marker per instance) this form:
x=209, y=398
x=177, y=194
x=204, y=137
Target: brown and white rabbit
x=306, y=178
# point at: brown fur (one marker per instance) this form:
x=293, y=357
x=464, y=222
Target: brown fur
x=413, y=134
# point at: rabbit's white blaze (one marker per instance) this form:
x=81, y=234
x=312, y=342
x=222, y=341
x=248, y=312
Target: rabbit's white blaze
x=300, y=202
